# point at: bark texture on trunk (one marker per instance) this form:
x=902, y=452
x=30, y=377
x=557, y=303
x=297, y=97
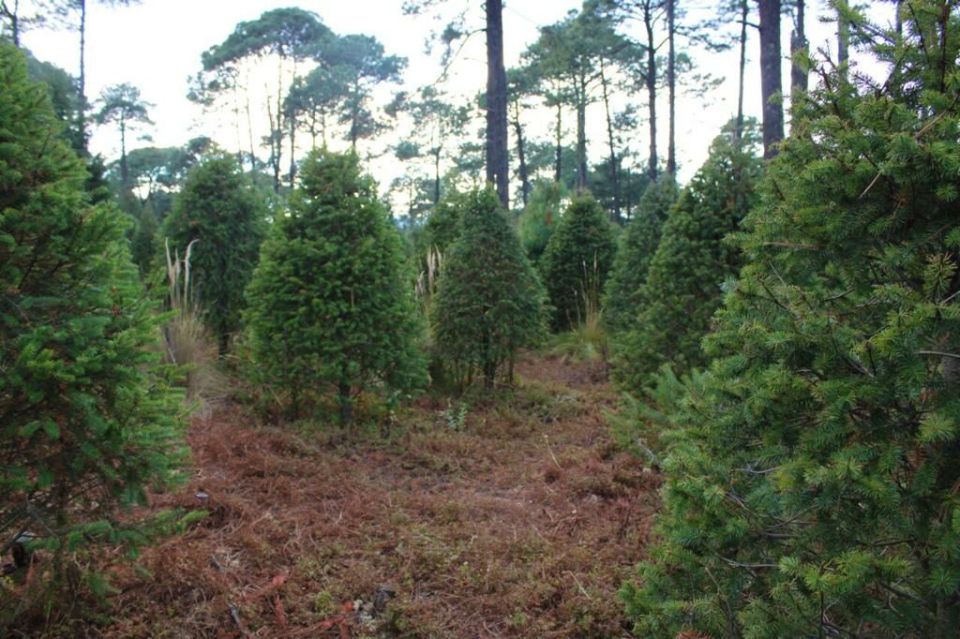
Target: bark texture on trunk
x=770, y=82
x=496, y=148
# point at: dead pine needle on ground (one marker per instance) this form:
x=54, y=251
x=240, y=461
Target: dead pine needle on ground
x=512, y=516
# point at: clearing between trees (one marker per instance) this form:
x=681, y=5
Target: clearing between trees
x=508, y=516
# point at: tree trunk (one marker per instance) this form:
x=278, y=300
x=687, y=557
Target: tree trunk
x=436, y=175
x=770, y=82
x=651, y=81
x=581, y=96
x=614, y=167
x=293, y=146
x=14, y=18
x=496, y=160
x=558, y=166
x=843, y=40
x=744, y=14
x=82, y=79
x=521, y=154
x=672, y=88
x=124, y=169
x=798, y=47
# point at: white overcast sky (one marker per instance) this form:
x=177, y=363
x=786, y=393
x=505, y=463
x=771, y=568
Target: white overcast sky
x=156, y=45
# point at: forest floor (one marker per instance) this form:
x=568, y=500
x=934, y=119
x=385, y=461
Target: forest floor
x=514, y=516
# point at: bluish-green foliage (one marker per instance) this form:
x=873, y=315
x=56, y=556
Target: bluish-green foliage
x=577, y=260
x=812, y=476
x=87, y=420
x=329, y=304
x=490, y=302
x=692, y=261
x=220, y=209
x=622, y=296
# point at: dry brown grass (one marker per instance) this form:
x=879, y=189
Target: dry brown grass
x=523, y=523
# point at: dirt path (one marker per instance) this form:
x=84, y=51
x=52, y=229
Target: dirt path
x=510, y=517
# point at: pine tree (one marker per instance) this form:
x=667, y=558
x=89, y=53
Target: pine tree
x=622, y=301
x=87, y=420
x=490, y=302
x=812, y=476
x=220, y=209
x=576, y=261
x=692, y=262
x=329, y=302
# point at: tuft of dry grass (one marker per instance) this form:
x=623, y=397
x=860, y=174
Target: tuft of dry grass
x=188, y=344
x=522, y=523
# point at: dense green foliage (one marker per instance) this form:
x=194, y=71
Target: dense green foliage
x=622, y=295
x=87, y=420
x=812, y=474
x=692, y=261
x=220, y=209
x=539, y=218
x=329, y=303
x=576, y=261
x=442, y=227
x=490, y=302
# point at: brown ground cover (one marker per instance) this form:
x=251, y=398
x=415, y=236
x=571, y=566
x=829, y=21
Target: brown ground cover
x=509, y=516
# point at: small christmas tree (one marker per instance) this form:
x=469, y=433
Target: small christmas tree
x=329, y=302
x=622, y=300
x=87, y=420
x=812, y=476
x=576, y=261
x=218, y=208
x=490, y=302
x=692, y=261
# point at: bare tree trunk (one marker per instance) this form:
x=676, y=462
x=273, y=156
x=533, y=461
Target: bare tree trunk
x=293, y=146
x=744, y=14
x=496, y=155
x=614, y=167
x=798, y=47
x=672, y=88
x=436, y=175
x=770, y=81
x=651, y=82
x=521, y=154
x=82, y=79
x=557, y=171
x=843, y=39
x=124, y=169
x=581, y=96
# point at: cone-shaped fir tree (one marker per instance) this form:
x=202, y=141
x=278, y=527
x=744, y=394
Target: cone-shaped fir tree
x=812, y=480
x=329, y=302
x=692, y=261
x=490, y=302
x=86, y=417
x=576, y=261
x=218, y=208
x=621, y=302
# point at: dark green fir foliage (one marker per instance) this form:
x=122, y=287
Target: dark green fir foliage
x=691, y=263
x=576, y=261
x=329, y=303
x=86, y=417
x=220, y=209
x=490, y=302
x=622, y=301
x=539, y=218
x=812, y=479
x=442, y=227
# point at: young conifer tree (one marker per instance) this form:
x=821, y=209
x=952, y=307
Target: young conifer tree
x=329, y=303
x=812, y=476
x=489, y=303
x=219, y=208
x=622, y=296
x=576, y=261
x=691, y=263
x=87, y=419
